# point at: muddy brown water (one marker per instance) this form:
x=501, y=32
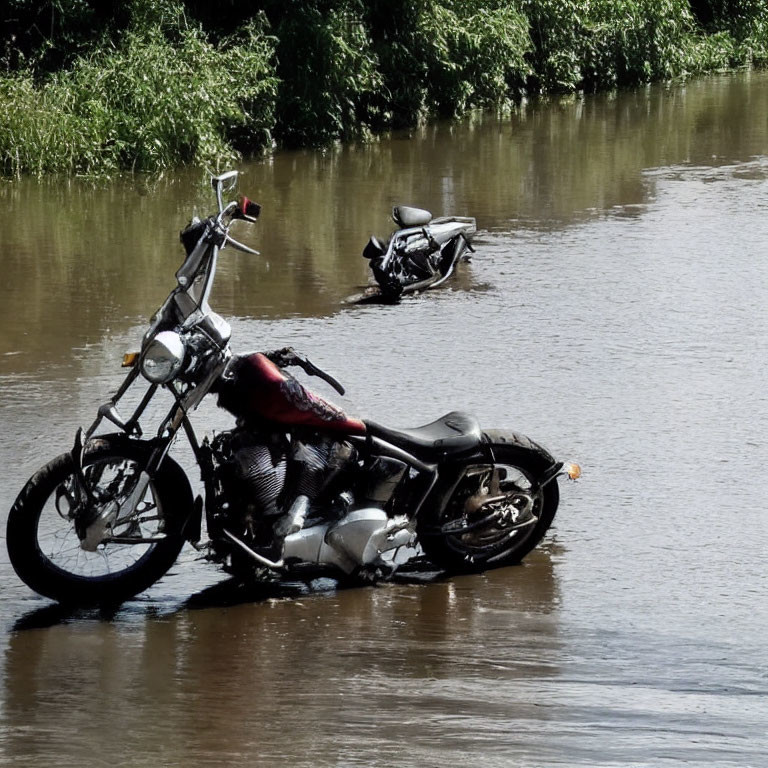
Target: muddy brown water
x=616, y=310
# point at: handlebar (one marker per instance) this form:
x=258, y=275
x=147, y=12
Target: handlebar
x=244, y=209
x=239, y=246
x=223, y=178
x=288, y=356
x=218, y=183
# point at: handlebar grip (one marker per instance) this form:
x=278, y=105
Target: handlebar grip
x=247, y=210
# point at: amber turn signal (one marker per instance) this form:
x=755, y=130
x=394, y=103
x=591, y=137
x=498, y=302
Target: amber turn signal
x=573, y=471
x=130, y=359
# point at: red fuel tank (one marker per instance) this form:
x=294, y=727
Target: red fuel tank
x=261, y=390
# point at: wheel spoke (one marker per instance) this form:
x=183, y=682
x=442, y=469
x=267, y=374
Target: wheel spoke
x=135, y=534
x=478, y=534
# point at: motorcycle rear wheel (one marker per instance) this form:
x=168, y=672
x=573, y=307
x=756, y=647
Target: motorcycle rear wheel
x=476, y=546
x=44, y=547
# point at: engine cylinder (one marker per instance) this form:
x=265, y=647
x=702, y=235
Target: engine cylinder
x=264, y=476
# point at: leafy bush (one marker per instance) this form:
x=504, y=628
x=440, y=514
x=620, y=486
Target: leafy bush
x=150, y=102
x=329, y=75
x=712, y=53
x=748, y=22
x=41, y=133
x=635, y=41
x=445, y=57
x=738, y=33
x=557, y=28
x=157, y=83
x=476, y=55
x=605, y=43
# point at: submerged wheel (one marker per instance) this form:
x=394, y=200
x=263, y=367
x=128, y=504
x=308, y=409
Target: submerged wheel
x=391, y=287
x=124, y=554
x=494, y=516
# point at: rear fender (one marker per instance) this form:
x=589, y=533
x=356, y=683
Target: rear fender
x=452, y=253
x=544, y=463
x=543, y=460
x=535, y=456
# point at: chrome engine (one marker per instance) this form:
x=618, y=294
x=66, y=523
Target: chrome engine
x=340, y=531
x=265, y=477
x=360, y=538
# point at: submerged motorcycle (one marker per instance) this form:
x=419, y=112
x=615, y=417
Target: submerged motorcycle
x=297, y=487
x=422, y=254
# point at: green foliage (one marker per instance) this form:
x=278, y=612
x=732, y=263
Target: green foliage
x=605, y=43
x=329, y=74
x=635, y=41
x=147, y=103
x=445, y=57
x=348, y=67
x=40, y=132
x=593, y=44
x=738, y=33
x=749, y=25
x=712, y=53
x=557, y=29
x=476, y=55
x=153, y=83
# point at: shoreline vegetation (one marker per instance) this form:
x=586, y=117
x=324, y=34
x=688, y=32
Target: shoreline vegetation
x=163, y=83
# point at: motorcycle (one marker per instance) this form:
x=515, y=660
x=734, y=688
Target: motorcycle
x=422, y=254
x=296, y=488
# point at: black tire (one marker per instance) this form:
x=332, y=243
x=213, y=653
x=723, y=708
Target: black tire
x=51, y=571
x=493, y=546
x=391, y=288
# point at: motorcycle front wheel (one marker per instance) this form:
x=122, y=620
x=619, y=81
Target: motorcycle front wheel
x=135, y=549
x=470, y=531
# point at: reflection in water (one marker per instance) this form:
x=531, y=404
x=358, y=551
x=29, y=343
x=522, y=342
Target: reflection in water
x=81, y=260
x=222, y=686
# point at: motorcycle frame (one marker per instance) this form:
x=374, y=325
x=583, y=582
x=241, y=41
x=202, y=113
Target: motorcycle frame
x=178, y=419
x=199, y=267
x=428, y=473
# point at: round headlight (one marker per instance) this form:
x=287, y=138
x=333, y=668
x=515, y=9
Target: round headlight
x=163, y=358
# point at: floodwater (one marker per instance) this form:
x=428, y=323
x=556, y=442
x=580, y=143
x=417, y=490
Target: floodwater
x=616, y=311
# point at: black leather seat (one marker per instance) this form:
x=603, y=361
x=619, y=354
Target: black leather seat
x=455, y=432
x=408, y=216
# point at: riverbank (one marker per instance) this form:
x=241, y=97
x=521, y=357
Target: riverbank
x=159, y=84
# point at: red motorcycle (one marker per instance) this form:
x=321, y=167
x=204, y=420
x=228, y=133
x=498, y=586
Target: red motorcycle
x=297, y=487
